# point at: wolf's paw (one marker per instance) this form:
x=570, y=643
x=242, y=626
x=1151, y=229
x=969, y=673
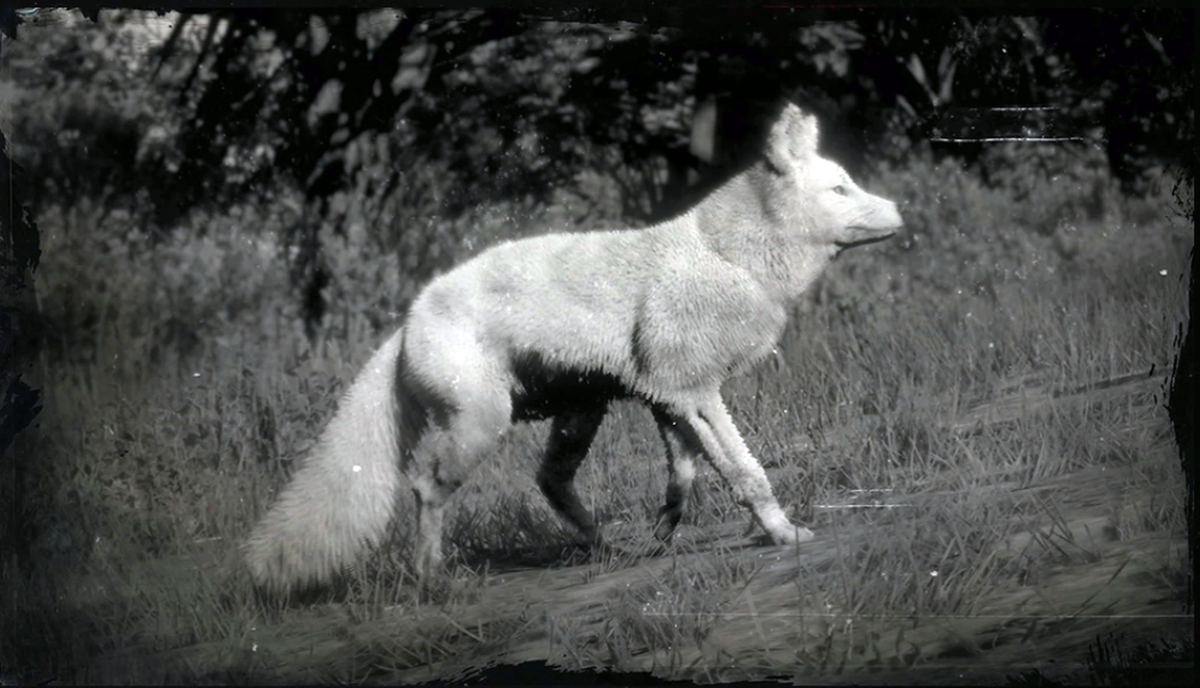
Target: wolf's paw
x=791, y=535
x=803, y=534
x=668, y=520
x=781, y=531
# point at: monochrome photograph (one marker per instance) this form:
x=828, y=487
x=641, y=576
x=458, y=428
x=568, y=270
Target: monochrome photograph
x=629, y=345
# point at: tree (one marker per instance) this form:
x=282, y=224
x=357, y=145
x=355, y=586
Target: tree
x=434, y=112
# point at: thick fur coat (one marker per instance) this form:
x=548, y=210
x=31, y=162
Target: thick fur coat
x=558, y=326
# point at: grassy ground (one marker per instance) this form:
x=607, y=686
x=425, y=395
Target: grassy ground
x=970, y=418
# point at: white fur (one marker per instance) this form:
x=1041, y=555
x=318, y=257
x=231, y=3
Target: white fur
x=559, y=324
x=342, y=496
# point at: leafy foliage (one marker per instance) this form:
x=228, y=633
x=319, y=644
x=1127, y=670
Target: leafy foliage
x=524, y=104
x=395, y=120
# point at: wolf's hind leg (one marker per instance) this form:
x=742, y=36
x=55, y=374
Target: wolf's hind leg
x=571, y=435
x=443, y=460
x=431, y=510
x=681, y=470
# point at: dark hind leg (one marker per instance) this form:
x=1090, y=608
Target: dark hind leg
x=681, y=470
x=571, y=435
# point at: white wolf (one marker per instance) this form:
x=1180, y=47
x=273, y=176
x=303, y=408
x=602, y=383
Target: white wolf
x=558, y=326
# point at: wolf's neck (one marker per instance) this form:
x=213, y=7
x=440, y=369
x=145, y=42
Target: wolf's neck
x=734, y=223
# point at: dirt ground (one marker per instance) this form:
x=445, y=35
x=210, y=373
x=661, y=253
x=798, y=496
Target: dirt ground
x=1098, y=581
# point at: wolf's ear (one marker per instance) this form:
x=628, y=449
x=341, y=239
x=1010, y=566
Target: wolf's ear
x=793, y=137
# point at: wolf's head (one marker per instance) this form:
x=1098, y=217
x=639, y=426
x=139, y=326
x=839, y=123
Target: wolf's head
x=810, y=194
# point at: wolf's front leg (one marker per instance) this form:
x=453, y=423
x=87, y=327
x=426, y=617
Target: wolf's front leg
x=723, y=446
x=681, y=446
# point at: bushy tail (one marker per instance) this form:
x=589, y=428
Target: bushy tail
x=341, y=498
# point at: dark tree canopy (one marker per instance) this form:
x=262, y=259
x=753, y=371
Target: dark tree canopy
x=478, y=88
x=421, y=113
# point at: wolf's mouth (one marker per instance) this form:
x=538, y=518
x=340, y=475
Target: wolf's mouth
x=864, y=241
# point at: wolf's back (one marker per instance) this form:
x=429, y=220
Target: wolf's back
x=341, y=498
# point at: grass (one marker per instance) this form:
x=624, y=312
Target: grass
x=178, y=395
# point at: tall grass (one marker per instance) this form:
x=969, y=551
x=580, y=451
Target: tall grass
x=179, y=388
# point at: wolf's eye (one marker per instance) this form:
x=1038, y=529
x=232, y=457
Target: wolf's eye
x=840, y=190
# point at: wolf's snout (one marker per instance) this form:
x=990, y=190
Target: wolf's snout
x=890, y=219
x=882, y=224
